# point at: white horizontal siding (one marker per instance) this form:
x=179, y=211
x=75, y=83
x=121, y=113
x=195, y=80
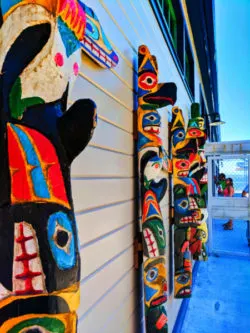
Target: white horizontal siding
x=103, y=180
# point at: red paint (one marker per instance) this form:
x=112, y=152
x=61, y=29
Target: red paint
x=59, y=59
x=20, y=189
x=27, y=275
x=150, y=199
x=161, y=322
x=50, y=165
x=159, y=301
x=147, y=81
x=74, y=16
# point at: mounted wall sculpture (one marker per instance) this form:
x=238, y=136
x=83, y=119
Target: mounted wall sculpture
x=40, y=56
x=189, y=212
x=153, y=167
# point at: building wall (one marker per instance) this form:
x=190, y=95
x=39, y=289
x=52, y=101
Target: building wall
x=103, y=178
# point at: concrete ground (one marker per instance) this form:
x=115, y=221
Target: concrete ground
x=221, y=294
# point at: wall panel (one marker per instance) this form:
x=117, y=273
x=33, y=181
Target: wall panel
x=103, y=175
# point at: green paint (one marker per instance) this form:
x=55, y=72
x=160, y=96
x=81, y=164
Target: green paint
x=19, y=105
x=52, y=325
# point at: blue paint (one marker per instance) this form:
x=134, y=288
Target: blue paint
x=148, y=67
x=92, y=30
x=183, y=278
x=142, y=140
x=149, y=293
x=7, y=4
x=39, y=182
x=152, y=274
x=181, y=206
x=151, y=119
x=70, y=41
x=178, y=136
x=65, y=257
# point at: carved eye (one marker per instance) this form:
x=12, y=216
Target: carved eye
x=61, y=240
x=147, y=81
x=161, y=233
x=180, y=135
x=152, y=274
x=194, y=132
x=183, y=278
x=184, y=204
x=182, y=164
x=92, y=30
x=151, y=118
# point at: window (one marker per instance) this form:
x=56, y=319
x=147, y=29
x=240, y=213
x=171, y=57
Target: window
x=170, y=19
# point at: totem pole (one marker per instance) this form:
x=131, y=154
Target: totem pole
x=40, y=55
x=188, y=170
x=198, y=171
x=153, y=163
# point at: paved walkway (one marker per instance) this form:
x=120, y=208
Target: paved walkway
x=221, y=297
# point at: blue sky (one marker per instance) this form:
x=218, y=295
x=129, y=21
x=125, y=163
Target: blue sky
x=233, y=64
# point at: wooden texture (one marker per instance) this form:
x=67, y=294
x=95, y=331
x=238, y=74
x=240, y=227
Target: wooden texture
x=102, y=176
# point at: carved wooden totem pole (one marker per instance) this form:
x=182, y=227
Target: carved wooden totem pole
x=189, y=205
x=153, y=162
x=40, y=55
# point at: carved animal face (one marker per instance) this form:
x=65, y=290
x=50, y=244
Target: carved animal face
x=186, y=192
x=155, y=285
x=95, y=43
x=151, y=93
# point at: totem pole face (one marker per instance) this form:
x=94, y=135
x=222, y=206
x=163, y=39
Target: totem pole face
x=181, y=146
x=154, y=238
x=152, y=95
x=40, y=54
x=155, y=284
x=189, y=203
x=152, y=161
x=186, y=193
x=183, y=264
x=95, y=43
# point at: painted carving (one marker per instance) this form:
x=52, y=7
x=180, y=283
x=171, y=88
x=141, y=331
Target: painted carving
x=40, y=55
x=153, y=167
x=189, y=175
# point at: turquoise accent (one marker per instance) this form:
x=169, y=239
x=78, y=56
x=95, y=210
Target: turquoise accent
x=70, y=41
x=65, y=256
x=39, y=182
x=7, y=4
x=92, y=30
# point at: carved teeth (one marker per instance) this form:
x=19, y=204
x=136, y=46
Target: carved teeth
x=185, y=291
x=151, y=243
x=186, y=219
x=28, y=276
x=183, y=173
x=98, y=52
x=154, y=129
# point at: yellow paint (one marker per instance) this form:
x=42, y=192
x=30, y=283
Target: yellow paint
x=71, y=295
